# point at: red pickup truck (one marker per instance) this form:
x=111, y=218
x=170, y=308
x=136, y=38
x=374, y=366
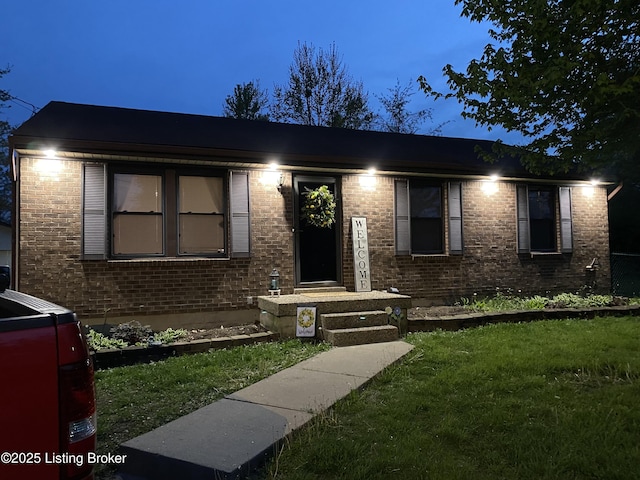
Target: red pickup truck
x=47, y=391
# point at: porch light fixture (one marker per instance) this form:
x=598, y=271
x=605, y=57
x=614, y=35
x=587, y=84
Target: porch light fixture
x=368, y=180
x=588, y=189
x=274, y=282
x=49, y=166
x=273, y=176
x=489, y=187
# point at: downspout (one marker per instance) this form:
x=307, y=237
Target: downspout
x=614, y=192
x=15, y=213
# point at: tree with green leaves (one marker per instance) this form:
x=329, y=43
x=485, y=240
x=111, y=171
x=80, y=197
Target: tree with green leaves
x=247, y=102
x=563, y=73
x=398, y=118
x=321, y=92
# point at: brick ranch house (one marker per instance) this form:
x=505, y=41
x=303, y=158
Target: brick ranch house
x=180, y=218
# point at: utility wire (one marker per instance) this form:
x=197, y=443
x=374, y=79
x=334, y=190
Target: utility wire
x=24, y=104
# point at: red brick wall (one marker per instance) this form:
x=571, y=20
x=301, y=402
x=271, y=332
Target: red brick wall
x=50, y=248
x=50, y=265
x=490, y=260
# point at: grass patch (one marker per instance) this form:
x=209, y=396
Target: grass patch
x=136, y=399
x=549, y=399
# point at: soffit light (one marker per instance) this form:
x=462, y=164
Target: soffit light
x=368, y=180
x=490, y=186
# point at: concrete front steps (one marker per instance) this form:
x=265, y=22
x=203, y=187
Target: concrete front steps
x=342, y=318
x=357, y=328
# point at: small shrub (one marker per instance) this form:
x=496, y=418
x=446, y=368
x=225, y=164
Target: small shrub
x=169, y=335
x=133, y=333
x=535, y=303
x=98, y=341
x=572, y=300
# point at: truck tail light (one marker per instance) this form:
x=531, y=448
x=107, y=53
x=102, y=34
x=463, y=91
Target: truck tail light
x=79, y=407
x=77, y=401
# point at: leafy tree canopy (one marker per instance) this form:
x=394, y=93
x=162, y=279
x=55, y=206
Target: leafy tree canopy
x=563, y=73
x=321, y=92
x=397, y=117
x=248, y=102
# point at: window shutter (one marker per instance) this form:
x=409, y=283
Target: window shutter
x=94, y=211
x=402, y=218
x=524, y=239
x=240, y=232
x=566, y=227
x=455, y=218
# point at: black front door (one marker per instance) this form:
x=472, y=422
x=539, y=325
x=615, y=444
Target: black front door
x=318, y=258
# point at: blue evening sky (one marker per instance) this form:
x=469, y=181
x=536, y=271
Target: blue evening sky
x=187, y=55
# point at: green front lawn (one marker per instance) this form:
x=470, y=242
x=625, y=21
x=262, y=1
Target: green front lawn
x=136, y=399
x=541, y=400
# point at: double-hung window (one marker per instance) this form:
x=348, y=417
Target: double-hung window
x=201, y=217
x=131, y=212
x=425, y=206
x=167, y=213
x=138, y=214
x=420, y=217
x=541, y=211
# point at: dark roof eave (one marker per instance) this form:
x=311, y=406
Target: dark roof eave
x=292, y=160
x=248, y=156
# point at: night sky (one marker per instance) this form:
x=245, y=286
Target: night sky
x=186, y=56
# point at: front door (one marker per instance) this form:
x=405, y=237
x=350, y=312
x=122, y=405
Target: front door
x=318, y=250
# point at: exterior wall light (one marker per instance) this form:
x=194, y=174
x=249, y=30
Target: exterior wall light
x=273, y=176
x=274, y=282
x=489, y=187
x=588, y=190
x=368, y=180
x=49, y=167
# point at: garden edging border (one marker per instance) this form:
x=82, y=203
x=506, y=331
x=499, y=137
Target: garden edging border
x=109, y=358
x=477, y=319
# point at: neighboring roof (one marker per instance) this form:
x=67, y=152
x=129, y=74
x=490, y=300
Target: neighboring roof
x=122, y=131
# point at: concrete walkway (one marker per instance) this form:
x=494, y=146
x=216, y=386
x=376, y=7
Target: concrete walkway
x=235, y=435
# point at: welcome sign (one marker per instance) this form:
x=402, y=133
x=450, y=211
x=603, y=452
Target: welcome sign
x=361, y=265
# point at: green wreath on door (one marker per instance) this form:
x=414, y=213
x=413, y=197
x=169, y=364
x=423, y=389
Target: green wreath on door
x=319, y=208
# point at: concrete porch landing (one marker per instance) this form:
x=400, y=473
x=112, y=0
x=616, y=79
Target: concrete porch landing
x=365, y=311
